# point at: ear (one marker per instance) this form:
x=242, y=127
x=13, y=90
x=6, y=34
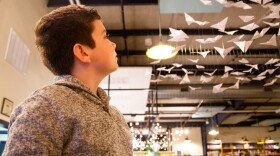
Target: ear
x=81, y=53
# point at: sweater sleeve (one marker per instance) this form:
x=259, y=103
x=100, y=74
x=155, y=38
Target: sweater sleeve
x=34, y=129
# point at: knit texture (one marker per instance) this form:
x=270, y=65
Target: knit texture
x=66, y=118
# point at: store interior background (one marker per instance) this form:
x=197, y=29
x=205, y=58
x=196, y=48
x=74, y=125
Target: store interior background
x=174, y=105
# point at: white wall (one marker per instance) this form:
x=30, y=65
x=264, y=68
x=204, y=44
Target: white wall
x=253, y=134
x=193, y=148
x=21, y=15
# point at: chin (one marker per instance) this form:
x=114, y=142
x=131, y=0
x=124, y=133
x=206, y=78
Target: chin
x=114, y=68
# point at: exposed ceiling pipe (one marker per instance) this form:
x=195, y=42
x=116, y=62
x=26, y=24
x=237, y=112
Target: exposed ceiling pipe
x=214, y=112
x=171, y=121
x=229, y=94
x=230, y=111
x=247, y=111
x=226, y=111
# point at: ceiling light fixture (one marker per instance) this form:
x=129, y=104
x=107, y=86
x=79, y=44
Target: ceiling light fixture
x=187, y=140
x=186, y=131
x=268, y=140
x=260, y=142
x=161, y=51
x=213, y=132
x=217, y=140
x=245, y=139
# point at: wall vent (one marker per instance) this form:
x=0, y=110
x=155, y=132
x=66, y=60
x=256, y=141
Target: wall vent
x=17, y=53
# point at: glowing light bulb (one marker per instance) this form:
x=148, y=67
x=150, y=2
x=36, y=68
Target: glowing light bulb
x=213, y=132
x=161, y=52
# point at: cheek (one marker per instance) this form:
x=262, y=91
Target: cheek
x=103, y=58
x=104, y=53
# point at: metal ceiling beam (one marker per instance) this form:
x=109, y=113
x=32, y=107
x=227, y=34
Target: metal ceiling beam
x=188, y=53
x=256, y=119
x=220, y=117
x=184, y=87
x=177, y=120
x=175, y=124
x=185, y=104
x=211, y=68
x=222, y=112
x=155, y=32
x=213, y=52
x=212, y=104
x=229, y=94
x=58, y=3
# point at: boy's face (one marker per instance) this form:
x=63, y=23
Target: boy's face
x=103, y=56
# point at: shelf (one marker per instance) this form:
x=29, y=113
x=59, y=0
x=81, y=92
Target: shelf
x=227, y=148
x=212, y=149
x=231, y=148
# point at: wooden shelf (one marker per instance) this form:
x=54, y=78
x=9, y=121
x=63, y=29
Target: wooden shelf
x=231, y=148
x=227, y=148
x=212, y=149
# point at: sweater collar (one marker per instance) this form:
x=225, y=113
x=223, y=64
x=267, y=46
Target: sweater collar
x=73, y=82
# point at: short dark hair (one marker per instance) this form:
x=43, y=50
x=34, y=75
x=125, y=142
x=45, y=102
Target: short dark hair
x=57, y=33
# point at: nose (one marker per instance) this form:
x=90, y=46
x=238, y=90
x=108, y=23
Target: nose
x=114, y=44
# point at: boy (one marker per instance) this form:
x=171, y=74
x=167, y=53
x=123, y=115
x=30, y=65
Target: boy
x=73, y=115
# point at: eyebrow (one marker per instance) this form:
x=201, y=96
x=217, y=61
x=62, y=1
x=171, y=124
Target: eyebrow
x=104, y=31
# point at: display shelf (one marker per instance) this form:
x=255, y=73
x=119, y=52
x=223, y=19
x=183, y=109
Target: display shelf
x=213, y=149
x=226, y=149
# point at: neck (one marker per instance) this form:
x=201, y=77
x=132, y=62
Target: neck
x=90, y=78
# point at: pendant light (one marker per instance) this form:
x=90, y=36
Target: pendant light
x=245, y=139
x=187, y=140
x=217, y=140
x=268, y=140
x=161, y=51
x=213, y=131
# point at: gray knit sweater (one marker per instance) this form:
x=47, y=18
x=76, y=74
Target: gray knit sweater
x=66, y=118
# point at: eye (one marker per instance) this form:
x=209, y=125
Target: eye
x=107, y=35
